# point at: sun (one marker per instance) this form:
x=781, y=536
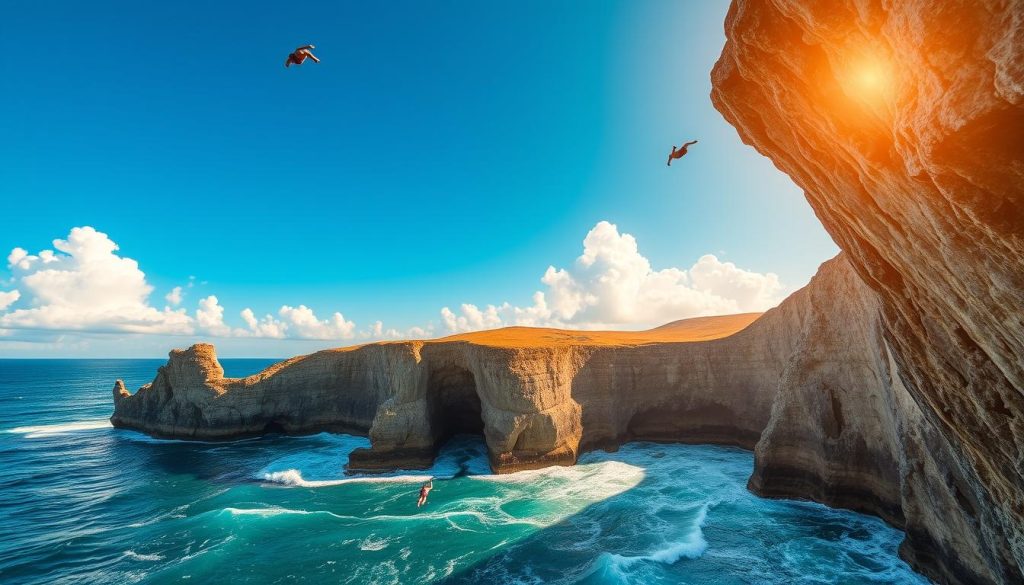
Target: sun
x=873, y=77
x=870, y=79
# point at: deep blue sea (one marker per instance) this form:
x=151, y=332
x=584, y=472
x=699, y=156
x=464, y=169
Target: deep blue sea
x=81, y=502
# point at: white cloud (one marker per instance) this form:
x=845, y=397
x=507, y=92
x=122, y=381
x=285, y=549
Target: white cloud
x=377, y=331
x=266, y=327
x=420, y=332
x=86, y=286
x=613, y=285
x=174, y=297
x=298, y=323
x=305, y=324
x=210, y=317
x=8, y=298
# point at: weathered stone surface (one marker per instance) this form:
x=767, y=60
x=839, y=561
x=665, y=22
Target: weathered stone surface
x=811, y=383
x=538, y=396
x=904, y=124
x=899, y=391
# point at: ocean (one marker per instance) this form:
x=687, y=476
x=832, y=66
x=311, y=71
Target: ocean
x=81, y=502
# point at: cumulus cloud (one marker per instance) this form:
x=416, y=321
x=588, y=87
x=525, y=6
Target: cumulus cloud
x=305, y=324
x=613, y=285
x=8, y=298
x=299, y=323
x=210, y=317
x=85, y=285
x=174, y=297
x=265, y=327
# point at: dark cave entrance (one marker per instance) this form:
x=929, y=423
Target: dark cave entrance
x=453, y=404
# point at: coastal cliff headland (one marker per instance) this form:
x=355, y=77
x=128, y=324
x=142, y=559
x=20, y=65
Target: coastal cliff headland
x=538, y=396
x=892, y=384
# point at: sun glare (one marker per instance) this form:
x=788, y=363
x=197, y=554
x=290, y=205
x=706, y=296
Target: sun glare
x=870, y=80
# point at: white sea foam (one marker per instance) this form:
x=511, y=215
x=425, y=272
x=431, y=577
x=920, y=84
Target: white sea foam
x=130, y=554
x=264, y=512
x=325, y=466
x=293, y=478
x=374, y=544
x=590, y=481
x=39, y=431
x=691, y=546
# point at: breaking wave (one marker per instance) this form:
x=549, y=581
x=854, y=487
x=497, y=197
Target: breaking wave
x=39, y=431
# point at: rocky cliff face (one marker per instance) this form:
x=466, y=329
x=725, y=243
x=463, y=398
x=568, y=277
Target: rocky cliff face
x=811, y=383
x=538, y=396
x=904, y=124
x=536, y=403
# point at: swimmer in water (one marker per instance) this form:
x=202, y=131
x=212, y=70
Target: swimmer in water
x=424, y=490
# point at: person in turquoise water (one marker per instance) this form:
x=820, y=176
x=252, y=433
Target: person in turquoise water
x=424, y=490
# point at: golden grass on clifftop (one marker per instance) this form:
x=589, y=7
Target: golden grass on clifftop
x=696, y=329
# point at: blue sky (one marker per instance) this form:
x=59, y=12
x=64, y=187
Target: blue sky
x=442, y=153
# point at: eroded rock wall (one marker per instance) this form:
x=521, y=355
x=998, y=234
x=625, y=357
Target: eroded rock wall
x=904, y=124
x=537, y=404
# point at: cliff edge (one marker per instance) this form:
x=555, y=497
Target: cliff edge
x=538, y=396
x=904, y=124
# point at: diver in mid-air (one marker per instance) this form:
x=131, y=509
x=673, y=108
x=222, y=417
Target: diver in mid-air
x=300, y=55
x=679, y=152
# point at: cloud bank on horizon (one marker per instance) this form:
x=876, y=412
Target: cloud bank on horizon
x=85, y=286
x=612, y=285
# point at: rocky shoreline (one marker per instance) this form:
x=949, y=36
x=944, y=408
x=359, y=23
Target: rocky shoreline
x=537, y=403
x=892, y=384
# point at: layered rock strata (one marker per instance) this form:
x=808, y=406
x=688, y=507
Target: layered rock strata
x=538, y=396
x=904, y=124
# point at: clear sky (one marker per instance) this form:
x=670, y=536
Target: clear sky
x=441, y=153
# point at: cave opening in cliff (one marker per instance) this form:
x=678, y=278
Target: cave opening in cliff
x=453, y=404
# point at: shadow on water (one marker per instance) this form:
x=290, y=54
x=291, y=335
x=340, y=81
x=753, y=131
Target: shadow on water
x=226, y=462
x=673, y=514
x=691, y=520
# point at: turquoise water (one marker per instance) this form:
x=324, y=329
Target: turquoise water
x=81, y=502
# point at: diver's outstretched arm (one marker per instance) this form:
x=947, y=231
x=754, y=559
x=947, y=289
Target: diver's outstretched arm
x=313, y=57
x=689, y=143
x=288, y=61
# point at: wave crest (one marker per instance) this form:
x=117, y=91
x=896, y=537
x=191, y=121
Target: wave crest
x=39, y=431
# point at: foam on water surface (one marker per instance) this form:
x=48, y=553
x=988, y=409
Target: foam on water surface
x=280, y=509
x=39, y=431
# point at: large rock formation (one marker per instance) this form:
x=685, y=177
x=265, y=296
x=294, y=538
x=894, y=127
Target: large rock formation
x=539, y=396
x=893, y=383
x=904, y=124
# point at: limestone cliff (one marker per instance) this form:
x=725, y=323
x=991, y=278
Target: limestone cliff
x=538, y=396
x=811, y=383
x=904, y=124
